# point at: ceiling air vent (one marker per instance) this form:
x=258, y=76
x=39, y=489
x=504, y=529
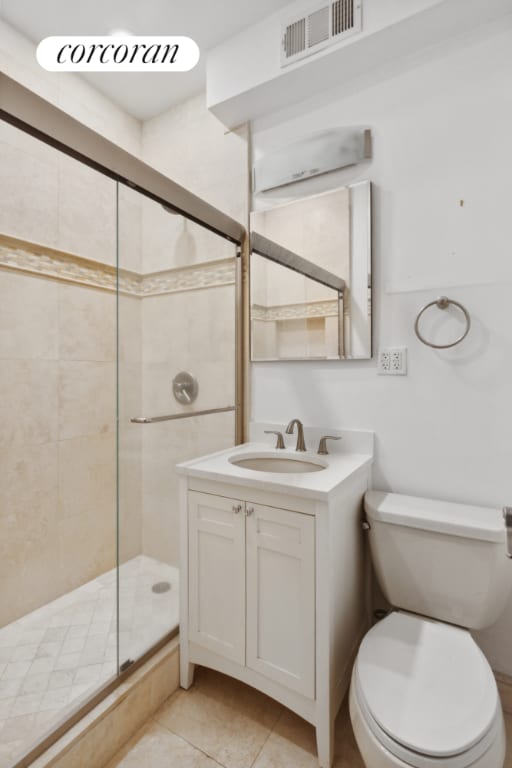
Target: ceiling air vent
x=325, y=24
x=342, y=12
x=295, y=38
x=318, y=26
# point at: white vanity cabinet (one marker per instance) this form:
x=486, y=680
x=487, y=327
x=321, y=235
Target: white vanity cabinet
x=216, y=558
x=252, y=587
x=280, y=583
x=273, y=583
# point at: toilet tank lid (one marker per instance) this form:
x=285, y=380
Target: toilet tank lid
x=484, y=523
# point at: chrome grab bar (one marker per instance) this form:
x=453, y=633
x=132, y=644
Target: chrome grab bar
x=173, y=416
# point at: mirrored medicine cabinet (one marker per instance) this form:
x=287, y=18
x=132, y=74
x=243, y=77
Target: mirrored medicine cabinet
x=310, y=277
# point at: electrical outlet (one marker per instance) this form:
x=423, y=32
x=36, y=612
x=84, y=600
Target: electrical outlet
x=392, y=361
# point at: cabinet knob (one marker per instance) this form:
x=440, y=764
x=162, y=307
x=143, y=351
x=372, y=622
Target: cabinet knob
x=237, y=508
x=249, y=511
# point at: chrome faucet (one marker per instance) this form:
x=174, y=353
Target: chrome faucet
x=301, y=445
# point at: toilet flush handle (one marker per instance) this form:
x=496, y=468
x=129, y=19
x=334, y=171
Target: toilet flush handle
x=507, y=514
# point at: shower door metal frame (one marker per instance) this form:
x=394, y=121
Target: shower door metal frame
x=32, y=114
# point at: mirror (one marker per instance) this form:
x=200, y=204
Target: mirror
x=311, y=278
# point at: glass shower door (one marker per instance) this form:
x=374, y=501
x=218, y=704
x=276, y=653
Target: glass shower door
x=58, y=618
x=176, y=397
x=113, y=311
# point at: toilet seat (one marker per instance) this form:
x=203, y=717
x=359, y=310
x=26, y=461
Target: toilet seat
x=426, y=692
x=407, y=757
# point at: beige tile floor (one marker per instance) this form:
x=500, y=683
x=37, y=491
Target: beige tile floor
x=221, y=722
x=508, y=725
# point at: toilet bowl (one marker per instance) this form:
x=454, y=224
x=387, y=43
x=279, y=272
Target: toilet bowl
x=422, y=692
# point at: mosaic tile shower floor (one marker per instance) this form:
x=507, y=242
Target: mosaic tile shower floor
x=61, y=653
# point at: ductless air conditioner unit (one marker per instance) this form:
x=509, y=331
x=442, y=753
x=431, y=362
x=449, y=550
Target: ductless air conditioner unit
x=325, y=24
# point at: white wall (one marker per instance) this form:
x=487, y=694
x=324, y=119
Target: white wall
x=257, y=85
x=259, y=45
x=441, y=134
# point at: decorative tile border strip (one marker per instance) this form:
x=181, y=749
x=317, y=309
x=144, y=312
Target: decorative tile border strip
x=30, y=258
x=295, y=311
x=303, y=311
x=207, y=275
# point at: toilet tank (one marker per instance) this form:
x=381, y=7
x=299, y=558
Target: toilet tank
x=439, y=559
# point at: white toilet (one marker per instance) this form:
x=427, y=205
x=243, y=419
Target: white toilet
x=422, y=692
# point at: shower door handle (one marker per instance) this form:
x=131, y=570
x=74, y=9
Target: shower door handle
x=185, y=415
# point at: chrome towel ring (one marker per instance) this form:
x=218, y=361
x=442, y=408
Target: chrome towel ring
x=442, y=303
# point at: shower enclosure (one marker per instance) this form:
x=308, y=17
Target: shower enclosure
x=120, y=344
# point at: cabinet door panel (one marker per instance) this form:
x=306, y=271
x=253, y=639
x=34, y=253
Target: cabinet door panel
x=217, y=574
x=281, y=596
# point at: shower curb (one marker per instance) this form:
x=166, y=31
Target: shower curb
x=99, y=735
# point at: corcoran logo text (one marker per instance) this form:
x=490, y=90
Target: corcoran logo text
x=117, y=54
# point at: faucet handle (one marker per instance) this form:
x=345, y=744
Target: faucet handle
x=280, y=439
x=322, y=445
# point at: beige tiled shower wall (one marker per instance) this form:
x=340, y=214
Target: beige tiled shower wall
x=67, y=91
x=57, y=442
x=58, y=351
x=50, y=199
x=189, y=144
x=188, y=331
x=192, y=330
x=57, y=384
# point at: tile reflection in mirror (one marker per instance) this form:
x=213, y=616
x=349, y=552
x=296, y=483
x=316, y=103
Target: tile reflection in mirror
x=311, y=277
x=305, y=325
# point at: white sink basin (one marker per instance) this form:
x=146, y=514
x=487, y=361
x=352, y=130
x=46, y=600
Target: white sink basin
x=271, y=462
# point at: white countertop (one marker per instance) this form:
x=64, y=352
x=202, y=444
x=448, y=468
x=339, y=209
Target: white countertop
x=313, y=485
